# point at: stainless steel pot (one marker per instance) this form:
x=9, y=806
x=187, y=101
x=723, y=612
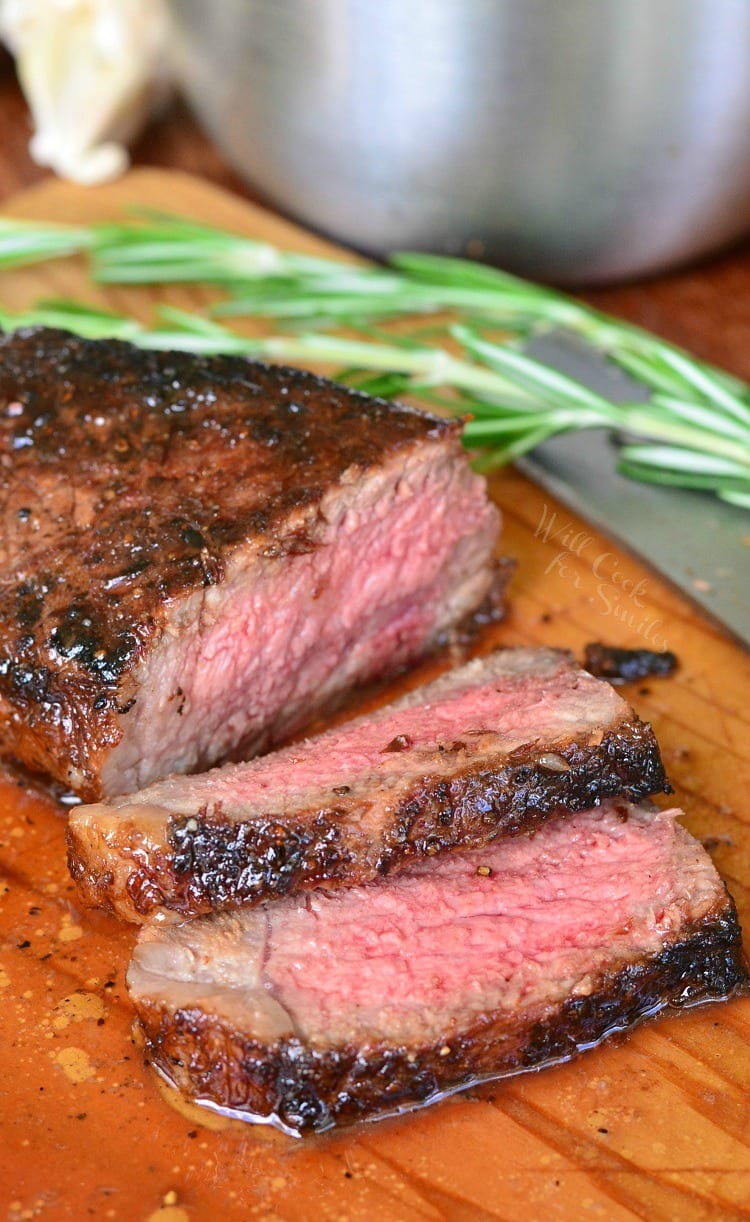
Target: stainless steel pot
x=572, y=140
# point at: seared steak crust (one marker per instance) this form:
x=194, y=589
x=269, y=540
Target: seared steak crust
x=504, y=798
x=129, y=482
x=491, y=749
x=215, y=863
x=303, y=1089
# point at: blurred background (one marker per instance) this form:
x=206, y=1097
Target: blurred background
x=255, y=133
x=584, y=142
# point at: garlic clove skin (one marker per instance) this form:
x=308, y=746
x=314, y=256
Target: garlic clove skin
x=92, y=71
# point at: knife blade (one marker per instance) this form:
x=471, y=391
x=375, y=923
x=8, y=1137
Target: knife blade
x=698, y=542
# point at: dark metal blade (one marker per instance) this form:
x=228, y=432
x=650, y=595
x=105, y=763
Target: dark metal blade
x=700, y=543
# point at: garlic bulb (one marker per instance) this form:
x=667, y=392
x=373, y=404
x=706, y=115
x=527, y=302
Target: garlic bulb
x=91, y=71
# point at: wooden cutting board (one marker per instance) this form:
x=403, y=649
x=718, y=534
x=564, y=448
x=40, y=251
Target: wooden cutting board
x=655, y=1126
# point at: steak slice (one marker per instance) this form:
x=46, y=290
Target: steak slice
x=198, y=554
x=345, y=1004
x=492, y=748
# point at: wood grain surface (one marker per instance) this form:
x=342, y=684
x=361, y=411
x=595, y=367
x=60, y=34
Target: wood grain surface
x=655, y=1126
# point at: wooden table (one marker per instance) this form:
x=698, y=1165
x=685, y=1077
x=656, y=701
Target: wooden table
x=657, y=1128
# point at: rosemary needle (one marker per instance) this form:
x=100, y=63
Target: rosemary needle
x=695, y=431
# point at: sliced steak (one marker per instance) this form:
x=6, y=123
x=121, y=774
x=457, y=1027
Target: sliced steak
x=347, y=1004
x=198, y=554
x=492, y=748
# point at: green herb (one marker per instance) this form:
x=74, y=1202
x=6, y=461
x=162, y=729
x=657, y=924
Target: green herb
x=694, y=432
x=515, y=402
x=24, y=242
x=163, y=249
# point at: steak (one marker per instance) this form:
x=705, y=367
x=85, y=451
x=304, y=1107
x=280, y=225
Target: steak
x=346, y=1004
x=200, y=553
x=492, y=748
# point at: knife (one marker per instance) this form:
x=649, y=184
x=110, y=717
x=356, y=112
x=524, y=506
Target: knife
x=700, y=543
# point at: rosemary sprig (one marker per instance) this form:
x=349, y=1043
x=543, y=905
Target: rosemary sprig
x=515, y=402
x=694, y=432
x=25, y=242
x=163, y=249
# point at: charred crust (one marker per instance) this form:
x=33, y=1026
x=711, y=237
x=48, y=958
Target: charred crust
x=113, y=518
x=213, y=862
x=492, y=610
x=309, y=1089
x=217, y=863
x=708, y=965
x=520, y=793
x=494, y=606
x=627, y=665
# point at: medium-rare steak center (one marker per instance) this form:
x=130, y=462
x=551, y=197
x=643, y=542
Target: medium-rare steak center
x=490, y=749
x=198, y=554
x=344, y=1004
